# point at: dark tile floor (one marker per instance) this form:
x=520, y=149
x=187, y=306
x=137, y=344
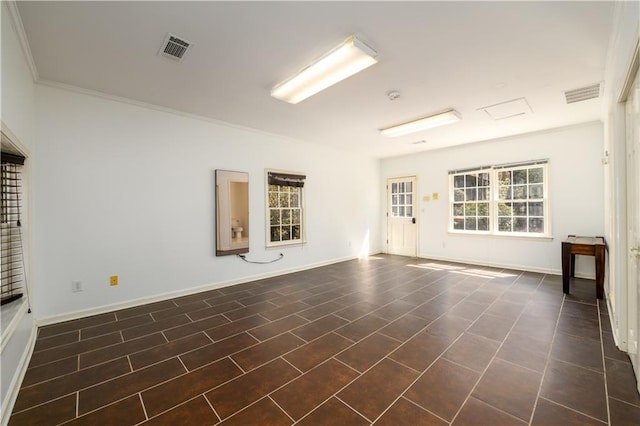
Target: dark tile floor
x=385, y=341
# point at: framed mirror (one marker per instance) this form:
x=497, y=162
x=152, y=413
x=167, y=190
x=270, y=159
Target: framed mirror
x=232, y=212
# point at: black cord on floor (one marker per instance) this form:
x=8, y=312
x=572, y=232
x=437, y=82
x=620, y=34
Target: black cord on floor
x=244, y=257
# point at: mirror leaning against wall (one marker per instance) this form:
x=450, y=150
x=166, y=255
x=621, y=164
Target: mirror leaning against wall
x=232, y=212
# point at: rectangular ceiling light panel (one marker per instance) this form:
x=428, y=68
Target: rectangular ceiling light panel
x=349, y=58
x=436, y=120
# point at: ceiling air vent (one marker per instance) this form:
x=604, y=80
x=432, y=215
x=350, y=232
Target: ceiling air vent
x=583, y=93
x=174, y=48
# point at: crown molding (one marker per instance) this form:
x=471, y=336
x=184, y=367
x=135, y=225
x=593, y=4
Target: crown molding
x=16, y=20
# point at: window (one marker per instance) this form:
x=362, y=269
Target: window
x=521, y=200
x=471, y=195
x=285, y=208
x=402, y=199
x=503, y=200
x=10, y=223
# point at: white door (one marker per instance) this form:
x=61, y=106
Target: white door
x=633, y=217
x=402, y=216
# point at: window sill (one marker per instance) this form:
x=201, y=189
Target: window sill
x=501, y=236
x=11, y=314
x=285, y=244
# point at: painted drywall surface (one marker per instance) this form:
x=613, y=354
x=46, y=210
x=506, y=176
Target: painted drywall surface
x=18, y=115
x=575, y=185
x=18, y=108
x=127, y=190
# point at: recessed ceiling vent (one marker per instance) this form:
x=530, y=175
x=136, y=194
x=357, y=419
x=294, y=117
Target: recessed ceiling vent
x=174, y=48
x=583, y=93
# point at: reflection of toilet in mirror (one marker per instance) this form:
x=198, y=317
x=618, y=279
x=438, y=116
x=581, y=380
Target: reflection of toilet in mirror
x=232, y=212
x=236, y=229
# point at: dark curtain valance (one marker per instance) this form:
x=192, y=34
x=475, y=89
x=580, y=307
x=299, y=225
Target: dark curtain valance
x=12, y=159
x=284, y=179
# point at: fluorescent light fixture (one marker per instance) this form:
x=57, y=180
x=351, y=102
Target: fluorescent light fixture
x=350, y=57
x=447, y=117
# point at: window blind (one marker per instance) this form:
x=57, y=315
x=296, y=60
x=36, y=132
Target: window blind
x=474, y=169
x=521, y=164
x=285, y=179
x=12, y=255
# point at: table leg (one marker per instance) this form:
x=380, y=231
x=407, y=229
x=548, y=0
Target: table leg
x=573, y=265
x=566, y=266
x=599, y=271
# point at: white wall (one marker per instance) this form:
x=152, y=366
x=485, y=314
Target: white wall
x=18, y=109
x=123, y=189
x=18, y=118
x=576, y=196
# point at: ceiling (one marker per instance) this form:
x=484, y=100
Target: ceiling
x=438, y=55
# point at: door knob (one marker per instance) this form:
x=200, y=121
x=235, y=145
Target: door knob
x=413, y=220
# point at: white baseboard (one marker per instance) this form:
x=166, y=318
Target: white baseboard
x=54, y=319
x=526, y=268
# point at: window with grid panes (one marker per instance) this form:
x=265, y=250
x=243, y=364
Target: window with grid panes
x=471, y=200
x=285, y=208
x=502, y=199
x=521, y=200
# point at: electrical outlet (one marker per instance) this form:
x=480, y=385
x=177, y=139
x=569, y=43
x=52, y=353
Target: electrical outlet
x=76, y=286
x=113, y=280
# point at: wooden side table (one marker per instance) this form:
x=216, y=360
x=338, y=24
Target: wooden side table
x=588, y=246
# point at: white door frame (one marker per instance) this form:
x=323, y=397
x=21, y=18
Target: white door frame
x=629, y=317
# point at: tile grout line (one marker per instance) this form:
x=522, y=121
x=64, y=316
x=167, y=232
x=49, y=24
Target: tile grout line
x=504, y=339
x=573, y=410
x=278, y=405
x=209, y=404
x=412, y=336
x=624, y=402
x=302, y=373
x=144, y=409
x=420, y=407
x=353, y=409
x=220, y=358
x=548, y=361
x=387, y=356
x=241, y=369
x=402, y=394
x=358, y=273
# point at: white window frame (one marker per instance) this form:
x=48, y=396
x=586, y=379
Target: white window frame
x=268, y=209
x=495, y=201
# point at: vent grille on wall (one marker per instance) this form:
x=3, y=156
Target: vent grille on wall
x=174, y=48
x=583, y=93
